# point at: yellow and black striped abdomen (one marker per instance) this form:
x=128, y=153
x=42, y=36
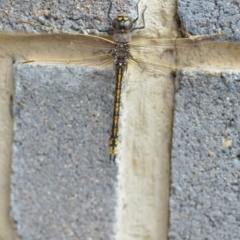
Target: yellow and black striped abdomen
x=113, y=144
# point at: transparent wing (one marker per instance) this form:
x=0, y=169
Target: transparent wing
x=148, y=54
x=174, y=43
x=97, y=61
x=156, y=61
x=86, y=49
x=195, y=53
x=148, y=77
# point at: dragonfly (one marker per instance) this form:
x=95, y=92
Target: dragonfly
x=120, y=52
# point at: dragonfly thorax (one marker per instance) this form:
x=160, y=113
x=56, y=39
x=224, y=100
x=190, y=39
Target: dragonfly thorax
x=121, y=54
x=122, y=23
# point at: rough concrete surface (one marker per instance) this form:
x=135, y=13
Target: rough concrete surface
x=204, y=202
x=70, y=16
x=206, y=158
x=63, y=186
x=46, y=176
x=210, y=16
x=151, y=174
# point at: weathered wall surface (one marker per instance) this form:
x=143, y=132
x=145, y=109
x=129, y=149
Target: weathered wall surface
x=62, y=183
x=204, y=199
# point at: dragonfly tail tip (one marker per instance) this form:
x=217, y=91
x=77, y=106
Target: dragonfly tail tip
x=112, y=158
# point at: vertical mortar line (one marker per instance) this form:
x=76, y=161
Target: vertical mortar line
x=7, y=231
x=144, y=231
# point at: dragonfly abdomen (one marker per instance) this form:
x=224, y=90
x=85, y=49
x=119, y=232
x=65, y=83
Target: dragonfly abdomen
x=113, y=143
x=121, y=54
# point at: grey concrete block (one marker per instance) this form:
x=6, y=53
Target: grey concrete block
x=42, y=152
x=210, y=16
x=204, y=202
x=63, y=186
x=205, y=158
x=33, y=179
x=69, y=16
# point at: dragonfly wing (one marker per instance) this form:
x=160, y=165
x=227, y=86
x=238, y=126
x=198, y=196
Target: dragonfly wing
x=78, y=39
x=173, y=43
x=81, y=49
x=152, y=66
x=194, y=54
x=98, y=61
x=149, y=77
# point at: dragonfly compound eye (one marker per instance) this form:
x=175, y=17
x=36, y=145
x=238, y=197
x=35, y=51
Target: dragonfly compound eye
x=122, y=23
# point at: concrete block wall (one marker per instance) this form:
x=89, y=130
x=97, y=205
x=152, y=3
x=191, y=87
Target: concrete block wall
x=204, y=202
x=62, y=186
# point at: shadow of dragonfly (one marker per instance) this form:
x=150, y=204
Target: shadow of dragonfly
x=121, y=53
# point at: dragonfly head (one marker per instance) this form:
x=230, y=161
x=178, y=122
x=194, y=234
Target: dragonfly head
x=122, y=23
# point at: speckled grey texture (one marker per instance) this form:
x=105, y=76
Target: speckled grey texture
x=204, y=202
x=69, y=16
x=58, y=196
x=211, y=16
x=205, y=195
x=63, y=186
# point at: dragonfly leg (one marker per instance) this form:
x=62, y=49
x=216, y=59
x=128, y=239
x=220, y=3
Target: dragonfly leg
x=137, y=13
x=108, y=30
x=109, y=11
x=143, y=26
